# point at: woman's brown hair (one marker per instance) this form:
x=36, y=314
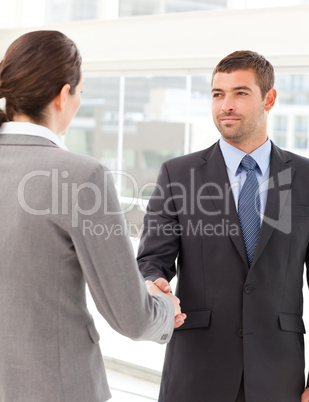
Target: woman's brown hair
x=35, y=68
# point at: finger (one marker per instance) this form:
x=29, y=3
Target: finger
x=305, y=396
x=149, y=284
x=180, y=316
x=163, y=285
x=152, y=288
x=178, y=321
x=178, y=309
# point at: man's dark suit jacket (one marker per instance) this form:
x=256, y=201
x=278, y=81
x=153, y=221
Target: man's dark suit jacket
x=240, y=320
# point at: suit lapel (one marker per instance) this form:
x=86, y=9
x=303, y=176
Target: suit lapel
x=213, y=170
x=214, y=173
x=280, y=181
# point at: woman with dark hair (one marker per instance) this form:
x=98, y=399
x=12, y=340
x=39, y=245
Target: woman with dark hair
x=61, y=226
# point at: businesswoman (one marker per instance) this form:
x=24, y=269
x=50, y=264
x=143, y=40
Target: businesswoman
x=54, y=206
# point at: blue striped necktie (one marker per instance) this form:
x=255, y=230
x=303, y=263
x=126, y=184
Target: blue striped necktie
x=249, y=207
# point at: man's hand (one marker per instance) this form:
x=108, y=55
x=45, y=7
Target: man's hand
x=153, y=290
x=305, y=396
x=161, y=285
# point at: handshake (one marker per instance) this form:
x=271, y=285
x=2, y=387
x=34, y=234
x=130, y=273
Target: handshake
x=162, y=286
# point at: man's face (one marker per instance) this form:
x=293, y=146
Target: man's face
x=238, y=109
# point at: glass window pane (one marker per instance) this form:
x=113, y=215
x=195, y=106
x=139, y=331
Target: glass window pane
x=203, y=132
x=301, y=124
x=273, y=3
x=145, y=7
x=301, y=140
x=94, y=130
x=20, y=12
x=292, y=88
x=154, y=125
x=301, y=132
x=70, y=10
x=280, y=130
x=289, y=120
x=154, y=130
x=173, y=6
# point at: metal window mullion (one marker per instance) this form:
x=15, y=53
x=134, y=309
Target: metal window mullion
x=120, y=133
x=186, y=149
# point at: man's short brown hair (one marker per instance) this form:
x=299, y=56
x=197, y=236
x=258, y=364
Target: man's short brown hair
x=248, y=60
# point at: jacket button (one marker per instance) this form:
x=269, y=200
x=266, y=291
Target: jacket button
x=248, y=289
x=240, y=332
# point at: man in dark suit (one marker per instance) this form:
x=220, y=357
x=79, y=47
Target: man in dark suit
x=236, y=218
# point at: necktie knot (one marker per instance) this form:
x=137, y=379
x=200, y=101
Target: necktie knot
x=248, y=163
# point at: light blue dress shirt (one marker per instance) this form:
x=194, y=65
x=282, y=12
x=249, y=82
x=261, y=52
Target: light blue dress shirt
x=237, y=175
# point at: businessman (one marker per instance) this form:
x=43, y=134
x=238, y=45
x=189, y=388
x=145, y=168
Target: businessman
x=235, y=217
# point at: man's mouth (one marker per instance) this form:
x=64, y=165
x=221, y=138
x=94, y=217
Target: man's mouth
x=229, y=119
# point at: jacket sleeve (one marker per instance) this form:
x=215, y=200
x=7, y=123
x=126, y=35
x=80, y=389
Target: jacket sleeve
x=107, y=260
x=160, y=241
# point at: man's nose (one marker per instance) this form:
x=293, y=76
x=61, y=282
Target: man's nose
x=228, y=105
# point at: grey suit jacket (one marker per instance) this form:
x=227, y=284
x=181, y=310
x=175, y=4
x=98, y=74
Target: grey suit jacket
x=240, y=321
x=60, y=228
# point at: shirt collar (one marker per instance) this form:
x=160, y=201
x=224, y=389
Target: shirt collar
x=233, y=156
x=25, y=128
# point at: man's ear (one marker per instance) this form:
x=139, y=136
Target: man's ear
x=61, y=98
x=270, y=99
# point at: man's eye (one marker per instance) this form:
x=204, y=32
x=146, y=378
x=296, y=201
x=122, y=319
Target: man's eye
x=242, y=93
x=216, y=95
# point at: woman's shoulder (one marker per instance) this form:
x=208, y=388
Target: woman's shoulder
x=78, y=165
